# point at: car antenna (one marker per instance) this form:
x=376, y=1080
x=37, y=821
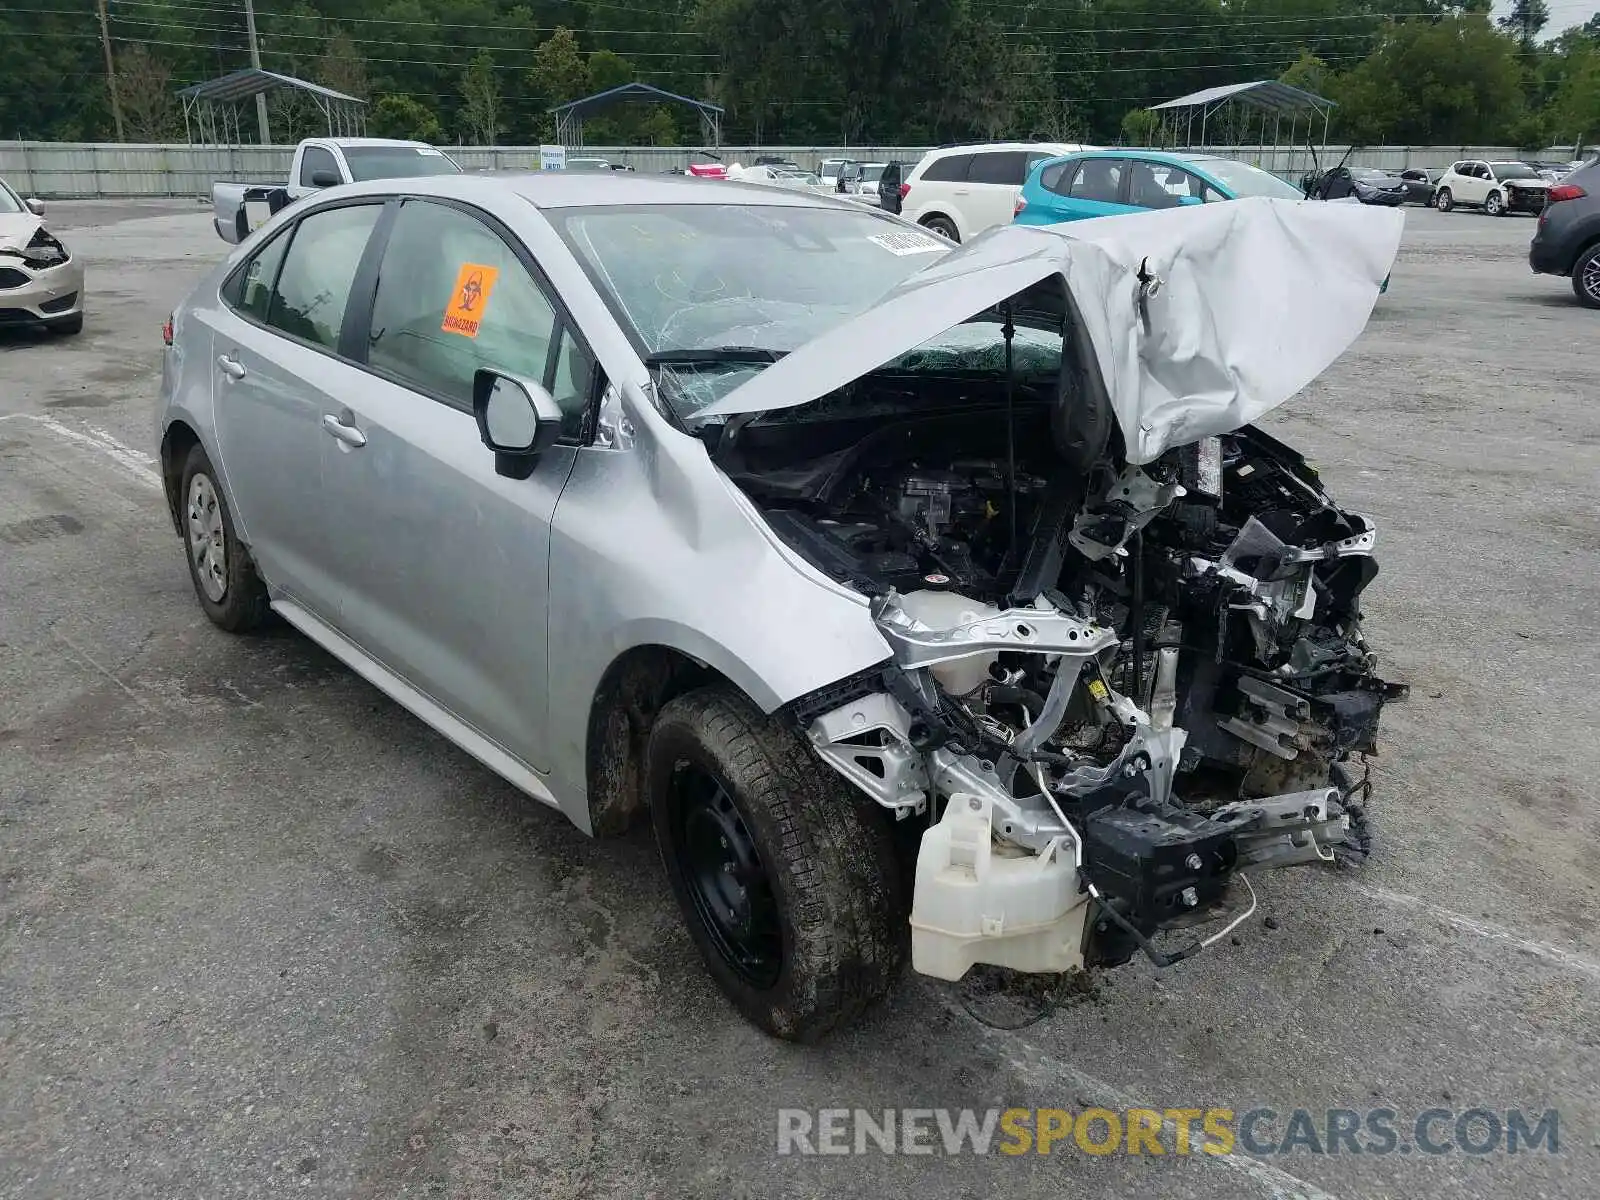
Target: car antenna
x=1008, y=331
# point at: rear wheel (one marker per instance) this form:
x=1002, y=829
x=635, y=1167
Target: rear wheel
x=1444, y=201
x=1586, y=277
x=943, y=226
x=785, y=874
x=224, y=577
x=1494, y=205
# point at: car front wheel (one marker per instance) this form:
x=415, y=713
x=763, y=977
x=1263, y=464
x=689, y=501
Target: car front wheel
x=1586, y=277
x=785, y=873
x=1444, y=201
x=224, y=577
x=1494, y=205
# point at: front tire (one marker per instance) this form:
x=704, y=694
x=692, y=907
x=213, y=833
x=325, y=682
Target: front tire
x=1586, y=277
x=786, y=874
x=224, y=577
x=1444, y=201
x=1494, y=204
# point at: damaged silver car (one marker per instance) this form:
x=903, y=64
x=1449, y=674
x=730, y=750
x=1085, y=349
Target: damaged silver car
x=926, y=599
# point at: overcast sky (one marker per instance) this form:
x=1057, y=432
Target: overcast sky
x=1563, y=13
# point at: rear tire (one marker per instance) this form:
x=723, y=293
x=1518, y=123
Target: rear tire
x=1586, y=277
x=944, y=227
x=786, y=874
x=224, y=576
x=1443, y=200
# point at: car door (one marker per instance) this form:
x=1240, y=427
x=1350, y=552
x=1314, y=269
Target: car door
x=1099, y=188
x=277, y=371
x=445, y=565
x=1474, y=183
x=994, y=182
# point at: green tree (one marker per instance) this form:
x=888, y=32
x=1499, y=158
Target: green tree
x=404, y=117
x=480, y=94
x=1526, y=19
x=1141, y=127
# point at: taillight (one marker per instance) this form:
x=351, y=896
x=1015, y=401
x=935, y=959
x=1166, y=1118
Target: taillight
x=905, y=190
x=1018, y=207
x=1566, y=191
x=166, y=331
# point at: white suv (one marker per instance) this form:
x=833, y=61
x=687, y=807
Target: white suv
x=1496, y=187
x=959, y=191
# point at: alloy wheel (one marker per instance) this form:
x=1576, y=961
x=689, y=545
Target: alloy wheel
x=725, y=877
x=1591, y=278
x=208, y=547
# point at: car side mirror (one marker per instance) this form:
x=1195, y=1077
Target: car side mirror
x=36, y=207
x=324, y=179
x=1187, y=200
x=517, y=419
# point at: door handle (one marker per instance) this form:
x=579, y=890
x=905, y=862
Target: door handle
x=231, y=367
x=346, y=433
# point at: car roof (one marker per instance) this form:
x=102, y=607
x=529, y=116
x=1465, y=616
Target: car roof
x=581, y=189
x=984, y=147
x=358, y=142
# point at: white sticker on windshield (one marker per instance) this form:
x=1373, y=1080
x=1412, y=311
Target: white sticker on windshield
x=904, y=241
x=430, y=150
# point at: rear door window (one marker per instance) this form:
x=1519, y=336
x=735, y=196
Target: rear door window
x=999, y=166
x=249, y=288
x=1098, y=179
x=951, y=168
x=313, y=286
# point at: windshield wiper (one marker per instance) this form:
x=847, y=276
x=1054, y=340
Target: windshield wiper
x=715, y=354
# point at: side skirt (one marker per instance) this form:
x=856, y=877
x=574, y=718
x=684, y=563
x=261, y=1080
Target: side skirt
x=454, y=730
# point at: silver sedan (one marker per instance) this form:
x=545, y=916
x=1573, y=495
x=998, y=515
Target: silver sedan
x=800, y=530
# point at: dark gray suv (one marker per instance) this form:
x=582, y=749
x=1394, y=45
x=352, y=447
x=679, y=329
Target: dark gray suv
x=1567, y=241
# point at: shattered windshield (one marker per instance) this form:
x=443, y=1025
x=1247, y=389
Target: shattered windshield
x=712, y=293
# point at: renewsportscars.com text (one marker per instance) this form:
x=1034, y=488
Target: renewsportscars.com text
x=1258, y=1132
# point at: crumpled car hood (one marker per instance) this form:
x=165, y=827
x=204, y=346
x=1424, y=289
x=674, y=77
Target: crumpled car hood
x=17, y=229
x=1257, y=298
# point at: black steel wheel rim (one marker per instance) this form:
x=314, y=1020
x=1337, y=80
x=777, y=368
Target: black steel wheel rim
x=724, y=876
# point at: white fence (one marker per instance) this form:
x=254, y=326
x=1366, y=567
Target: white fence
x=63, y=170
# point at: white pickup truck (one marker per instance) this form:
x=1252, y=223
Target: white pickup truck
x=238, y=208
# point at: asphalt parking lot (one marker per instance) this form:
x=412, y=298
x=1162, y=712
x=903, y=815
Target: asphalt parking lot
x=261, y=931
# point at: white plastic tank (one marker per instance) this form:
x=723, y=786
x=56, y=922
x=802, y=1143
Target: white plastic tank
x=946, y=610
x=982, y=901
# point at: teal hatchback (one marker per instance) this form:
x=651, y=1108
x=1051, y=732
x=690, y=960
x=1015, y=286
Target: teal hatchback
x=1104, y=183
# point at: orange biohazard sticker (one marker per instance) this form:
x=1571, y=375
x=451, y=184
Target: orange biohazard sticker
x=470, y=299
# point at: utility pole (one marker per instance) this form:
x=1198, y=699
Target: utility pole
x=255, y=61
x=111, y=70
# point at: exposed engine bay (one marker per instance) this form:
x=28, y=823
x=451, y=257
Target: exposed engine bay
x=1114, y=688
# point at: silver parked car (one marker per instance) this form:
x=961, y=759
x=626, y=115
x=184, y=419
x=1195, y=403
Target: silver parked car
x=825, y=544
x=41, y=283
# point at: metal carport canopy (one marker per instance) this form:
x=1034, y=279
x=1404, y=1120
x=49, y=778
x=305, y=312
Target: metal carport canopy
x=1266, y=94
x=242, y=85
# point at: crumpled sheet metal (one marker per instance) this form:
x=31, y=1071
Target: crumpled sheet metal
x=1257, y=298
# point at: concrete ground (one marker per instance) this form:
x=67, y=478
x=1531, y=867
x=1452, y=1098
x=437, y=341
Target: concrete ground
x=262, y=932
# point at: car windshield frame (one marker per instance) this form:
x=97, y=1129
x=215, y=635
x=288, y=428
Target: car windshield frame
x=789, y=298
x=1229, y=173
x=427, y=157
x=9, y=195
x=1513, y=170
